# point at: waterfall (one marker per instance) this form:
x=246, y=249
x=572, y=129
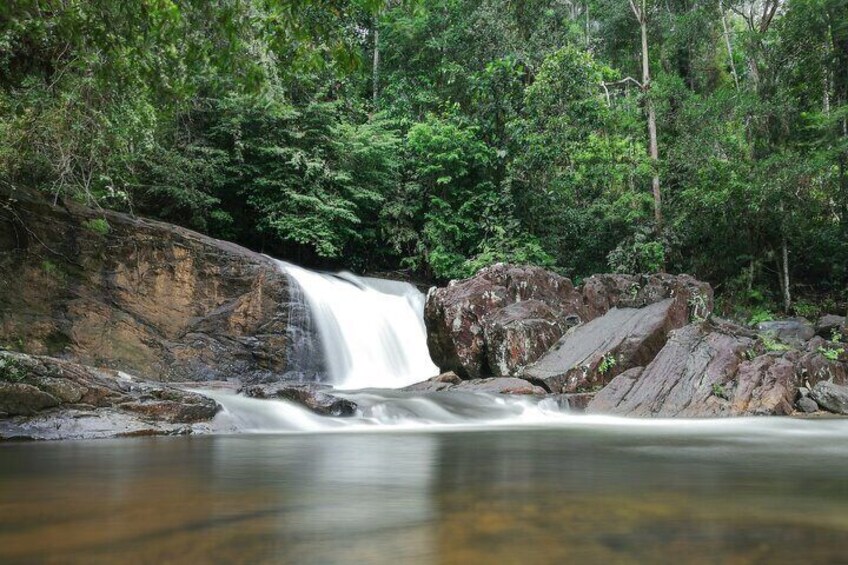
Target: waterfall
x=372, y=330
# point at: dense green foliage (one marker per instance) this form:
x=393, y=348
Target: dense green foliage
x=444, y=135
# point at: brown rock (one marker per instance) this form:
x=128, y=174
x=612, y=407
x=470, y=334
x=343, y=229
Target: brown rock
x=50, y=394
x=23, y=399
x=437, y=383
x=145, y=297
x=702, y=371
x=456, y=315
x=590, y=355
x=506, y=317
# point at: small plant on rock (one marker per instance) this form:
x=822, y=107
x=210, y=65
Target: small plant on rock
x=831, y=353
x=719, y=391
x=772, y=344
x=607, y=363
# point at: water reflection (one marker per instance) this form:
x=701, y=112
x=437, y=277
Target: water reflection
x=506, y=496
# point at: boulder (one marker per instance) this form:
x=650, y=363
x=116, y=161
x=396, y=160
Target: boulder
x=573, y=402
x=703, y=370
x=152, y=299
x=794, y=332
x=807, y=405
x=42, y=397
x=590, y=355
x=505, y=317
x=831, y=397
x=456, y=315
x=829, y=324
x=311, y=396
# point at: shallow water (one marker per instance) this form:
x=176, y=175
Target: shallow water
x=603, y=491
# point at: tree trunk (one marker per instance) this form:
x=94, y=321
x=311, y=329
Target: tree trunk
x=375, y=69
x=787, y=297
x=729, y=45
x=653, y=149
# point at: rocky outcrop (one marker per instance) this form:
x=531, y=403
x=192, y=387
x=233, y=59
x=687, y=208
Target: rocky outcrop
x=46, y=398
x=460, y=316
x=506, y=317
x=314, y=397
x=590, y=355
x=152, y=299
x=704, y=370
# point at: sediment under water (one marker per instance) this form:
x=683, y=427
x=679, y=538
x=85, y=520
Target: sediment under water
x=608, y=491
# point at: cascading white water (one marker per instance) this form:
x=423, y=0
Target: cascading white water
x=372, y=331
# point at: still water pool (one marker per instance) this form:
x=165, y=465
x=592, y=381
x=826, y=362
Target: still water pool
x=746, y=491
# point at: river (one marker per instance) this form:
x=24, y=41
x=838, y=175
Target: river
x=587, y=490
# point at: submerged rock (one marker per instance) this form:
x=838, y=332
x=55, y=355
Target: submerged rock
x=590, y=355
x=46, y=398
x=153, y=299
x=312, y=396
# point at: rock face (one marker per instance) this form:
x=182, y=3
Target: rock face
x=316, y=398
x=145, y=297
x=460, y=316
x=46, y=398
x=590, y=355
x=505, y=317
x=704, y=370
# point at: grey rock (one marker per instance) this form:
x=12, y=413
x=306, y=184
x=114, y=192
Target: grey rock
x=829, y=324
x=792, y=331
x=831, y=397
x=590, y=355
x=316, y=398
x=807, y=405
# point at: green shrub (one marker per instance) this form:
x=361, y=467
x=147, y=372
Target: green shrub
x=98, y=225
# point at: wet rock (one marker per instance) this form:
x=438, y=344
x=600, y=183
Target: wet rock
x=456, y=316
x=792, y=331
x=703, y=370
x=435, y=384
x=807, y=405
x=831, y=397
x=573, y=402
x=590, y=355
x=155, y=300
x=505, y=317
x=311, y=396
x=57, y=399
x=502, y=385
